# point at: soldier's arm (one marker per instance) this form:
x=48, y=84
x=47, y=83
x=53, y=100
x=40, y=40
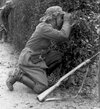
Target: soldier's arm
x=58, y=35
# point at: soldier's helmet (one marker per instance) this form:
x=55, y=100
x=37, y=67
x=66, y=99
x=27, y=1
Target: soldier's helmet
x=9, y=2
x=52, y=11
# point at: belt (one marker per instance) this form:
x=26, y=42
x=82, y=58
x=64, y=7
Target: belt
x=39, y=54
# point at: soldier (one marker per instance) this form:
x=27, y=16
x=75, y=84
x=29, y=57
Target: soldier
x=36, y=57
x=5, y=12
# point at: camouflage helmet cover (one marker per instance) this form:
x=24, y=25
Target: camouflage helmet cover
x=9, y=2
x=52, y=11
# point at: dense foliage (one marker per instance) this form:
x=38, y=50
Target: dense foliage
x=82, y=43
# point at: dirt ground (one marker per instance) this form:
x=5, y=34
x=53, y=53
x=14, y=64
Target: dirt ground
x=23, y=98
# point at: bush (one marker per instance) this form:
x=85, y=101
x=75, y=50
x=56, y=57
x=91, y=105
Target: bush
x=81, y=45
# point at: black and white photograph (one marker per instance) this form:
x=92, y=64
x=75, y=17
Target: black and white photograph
x=49, y=54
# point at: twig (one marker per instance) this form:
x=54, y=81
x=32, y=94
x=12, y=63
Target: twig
x=99, y=78
x=79, y=91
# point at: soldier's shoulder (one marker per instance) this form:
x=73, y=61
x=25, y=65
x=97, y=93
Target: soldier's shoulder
x=43, y=24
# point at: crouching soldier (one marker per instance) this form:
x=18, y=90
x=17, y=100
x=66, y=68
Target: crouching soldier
x=5, y=12
x=36, y=57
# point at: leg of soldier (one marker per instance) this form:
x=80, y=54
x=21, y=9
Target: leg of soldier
x=27, y=79
x=29, y=74
x=37, y=76
x=34, y=85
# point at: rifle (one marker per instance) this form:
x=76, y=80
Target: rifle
x=43, y=95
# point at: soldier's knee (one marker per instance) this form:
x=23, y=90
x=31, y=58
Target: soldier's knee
x=39, y=88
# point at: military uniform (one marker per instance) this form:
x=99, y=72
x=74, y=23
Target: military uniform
x=36, y=57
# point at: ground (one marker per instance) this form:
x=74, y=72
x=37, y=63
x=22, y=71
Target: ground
x=23, y=97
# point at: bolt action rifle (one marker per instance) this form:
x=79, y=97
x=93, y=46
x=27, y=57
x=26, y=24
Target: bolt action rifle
x=44, y=94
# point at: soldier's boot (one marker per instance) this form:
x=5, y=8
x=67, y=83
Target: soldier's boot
x=12, y=78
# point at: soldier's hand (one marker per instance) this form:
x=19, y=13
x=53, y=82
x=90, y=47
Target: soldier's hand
x=67, y=17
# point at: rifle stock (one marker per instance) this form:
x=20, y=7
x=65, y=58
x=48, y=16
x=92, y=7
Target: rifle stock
x=44, y=94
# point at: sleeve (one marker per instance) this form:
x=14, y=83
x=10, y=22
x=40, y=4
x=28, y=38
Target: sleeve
x=54, y=34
